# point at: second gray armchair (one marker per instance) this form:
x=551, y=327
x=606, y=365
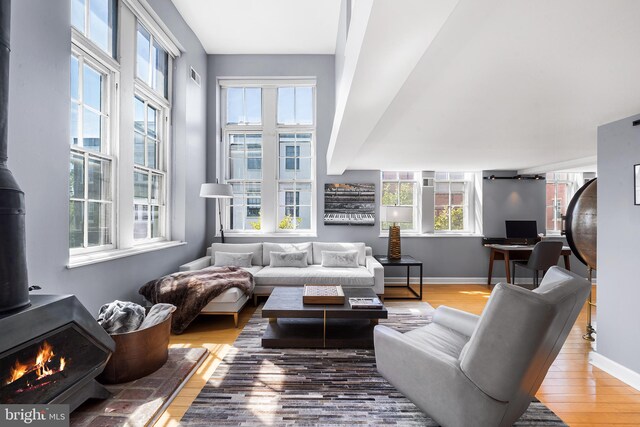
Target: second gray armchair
x=465, y=370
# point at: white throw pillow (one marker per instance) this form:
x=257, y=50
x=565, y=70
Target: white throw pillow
x=318, y=247
x=267, y=247
x=226, y=259
x=288, y=259
x=343, y=259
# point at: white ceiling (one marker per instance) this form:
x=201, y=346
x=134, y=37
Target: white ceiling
x=505, y=85
x=263, y=26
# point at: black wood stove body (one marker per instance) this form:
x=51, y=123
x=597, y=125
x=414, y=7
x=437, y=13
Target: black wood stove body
x=51, y=352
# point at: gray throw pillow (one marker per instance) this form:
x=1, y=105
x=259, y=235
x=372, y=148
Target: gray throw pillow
x=344, y=259
x=230, y=259
x=288, y=259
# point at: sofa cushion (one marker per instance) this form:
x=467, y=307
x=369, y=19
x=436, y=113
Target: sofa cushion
x=332, y=259
x=267, y=248
x=318, y=247
x=224, y=259
x=254, y=248
x=288, y=259
x=314, y=274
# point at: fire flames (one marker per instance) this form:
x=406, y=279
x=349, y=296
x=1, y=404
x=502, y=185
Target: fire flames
x=43, y=366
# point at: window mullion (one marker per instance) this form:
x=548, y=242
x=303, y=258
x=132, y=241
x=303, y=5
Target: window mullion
x=85, y=212
x=149, y=178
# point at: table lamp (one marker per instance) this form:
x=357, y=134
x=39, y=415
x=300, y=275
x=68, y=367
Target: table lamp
x=217, y=191
x=395, y=214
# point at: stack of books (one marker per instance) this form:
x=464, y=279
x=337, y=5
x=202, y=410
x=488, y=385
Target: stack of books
x=365, y=303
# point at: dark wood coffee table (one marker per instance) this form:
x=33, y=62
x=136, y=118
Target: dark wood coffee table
x=293, y=324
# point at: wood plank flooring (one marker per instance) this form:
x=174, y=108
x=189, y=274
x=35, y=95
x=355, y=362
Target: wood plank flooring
x=579, y=393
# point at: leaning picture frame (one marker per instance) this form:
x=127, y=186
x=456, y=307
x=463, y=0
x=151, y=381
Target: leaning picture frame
x=636, y=184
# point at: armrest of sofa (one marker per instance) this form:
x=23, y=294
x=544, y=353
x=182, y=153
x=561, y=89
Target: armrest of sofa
x=458, y=320
x=377, y=270
x=198, y=264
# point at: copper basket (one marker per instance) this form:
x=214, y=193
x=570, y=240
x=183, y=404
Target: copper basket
x=138, y=354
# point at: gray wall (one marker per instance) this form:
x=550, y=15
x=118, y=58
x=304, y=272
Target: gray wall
x=39, y=155
x=442, y=256
x=618, y=244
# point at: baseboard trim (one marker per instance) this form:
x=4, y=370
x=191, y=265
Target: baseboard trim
x=398, y=280
x=615, y=369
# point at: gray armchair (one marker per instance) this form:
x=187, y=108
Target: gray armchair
x=465, y=370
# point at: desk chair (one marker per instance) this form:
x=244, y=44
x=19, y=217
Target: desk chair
x=545, y=255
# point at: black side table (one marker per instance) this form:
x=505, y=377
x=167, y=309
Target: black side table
x=405, y=260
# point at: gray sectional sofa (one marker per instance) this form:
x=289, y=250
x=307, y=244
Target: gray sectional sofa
x=368, y=274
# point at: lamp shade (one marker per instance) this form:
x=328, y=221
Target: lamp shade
x=216, y=191
x=397, y=213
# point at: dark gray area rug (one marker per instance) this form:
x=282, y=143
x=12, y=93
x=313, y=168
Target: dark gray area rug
x=256, y=386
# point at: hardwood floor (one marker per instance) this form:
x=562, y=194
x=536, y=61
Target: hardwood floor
x=579, y=393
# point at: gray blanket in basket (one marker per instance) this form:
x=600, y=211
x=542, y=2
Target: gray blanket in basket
x=120, y=316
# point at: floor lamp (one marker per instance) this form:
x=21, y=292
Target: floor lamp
x=395, y=214
x=217, y=191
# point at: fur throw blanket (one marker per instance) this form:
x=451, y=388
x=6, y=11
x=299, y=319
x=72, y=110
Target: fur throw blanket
x=190, y=291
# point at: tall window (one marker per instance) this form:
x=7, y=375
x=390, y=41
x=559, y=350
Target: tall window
x=561, y=186
x=269, y=131
x=91, y=166
x=400, y=189
x=151, y=107
x=452, y=204
x=99, y=218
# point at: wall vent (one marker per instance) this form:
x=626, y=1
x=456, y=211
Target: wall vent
x=195, y=76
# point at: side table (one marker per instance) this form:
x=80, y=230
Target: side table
x=404, y=261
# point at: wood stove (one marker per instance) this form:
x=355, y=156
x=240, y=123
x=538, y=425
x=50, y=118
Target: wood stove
x=51, y=352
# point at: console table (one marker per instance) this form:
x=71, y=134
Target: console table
x=405, y=261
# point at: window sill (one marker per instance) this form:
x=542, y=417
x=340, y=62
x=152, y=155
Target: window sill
x=259, y=235
x=434, y=235
x=76, y=261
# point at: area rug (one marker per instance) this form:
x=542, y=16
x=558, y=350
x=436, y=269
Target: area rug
x=275, y=387
x=139, y=403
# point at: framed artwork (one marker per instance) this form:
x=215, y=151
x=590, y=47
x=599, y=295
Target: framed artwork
x=349, y=204
x=636, y=184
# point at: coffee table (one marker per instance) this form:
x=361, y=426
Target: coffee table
x=293, y=324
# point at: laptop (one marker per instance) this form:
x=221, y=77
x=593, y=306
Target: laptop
x=522, y=230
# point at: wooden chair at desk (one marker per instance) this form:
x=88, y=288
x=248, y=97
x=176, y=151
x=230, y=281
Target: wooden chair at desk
x=545, y=255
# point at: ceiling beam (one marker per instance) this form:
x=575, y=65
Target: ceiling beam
x=384, y=45
x=581, y=163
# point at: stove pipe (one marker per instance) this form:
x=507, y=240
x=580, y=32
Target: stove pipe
x=14, y=287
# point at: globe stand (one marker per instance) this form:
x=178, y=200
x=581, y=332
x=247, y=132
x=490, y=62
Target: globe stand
x=590, y=330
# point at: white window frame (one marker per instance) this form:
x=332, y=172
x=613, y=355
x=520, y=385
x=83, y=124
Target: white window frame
x=270, y=131
x=473, y=204
x=85, y=33
x=89, y=53
x=416, y=199
x=125, y=87
x=468, y=181
x=162, y=107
